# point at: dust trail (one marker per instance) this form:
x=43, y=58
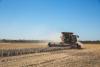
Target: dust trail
x=55, y=37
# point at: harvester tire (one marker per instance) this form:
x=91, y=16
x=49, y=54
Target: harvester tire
x=78, y=46
x=49, y=44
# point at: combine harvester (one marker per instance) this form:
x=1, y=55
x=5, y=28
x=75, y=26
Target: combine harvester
x=68, y=40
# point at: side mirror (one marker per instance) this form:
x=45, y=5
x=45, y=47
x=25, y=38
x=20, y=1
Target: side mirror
x=77, y=36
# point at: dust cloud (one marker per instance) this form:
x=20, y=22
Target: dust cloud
x=56, y=37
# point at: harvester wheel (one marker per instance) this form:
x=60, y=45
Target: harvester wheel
x=49, y=44
x=78, y=46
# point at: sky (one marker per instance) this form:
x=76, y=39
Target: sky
x=46, y=19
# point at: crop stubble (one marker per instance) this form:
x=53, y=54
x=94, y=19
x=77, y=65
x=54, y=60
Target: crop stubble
x=87, y=57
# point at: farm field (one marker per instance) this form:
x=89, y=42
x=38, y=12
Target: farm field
x=89, y=56
x=22, y=45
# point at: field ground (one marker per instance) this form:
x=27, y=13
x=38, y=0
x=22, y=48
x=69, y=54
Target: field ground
x=22, y=45
x=89, y=56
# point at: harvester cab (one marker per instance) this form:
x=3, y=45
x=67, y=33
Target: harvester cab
x=67, y=39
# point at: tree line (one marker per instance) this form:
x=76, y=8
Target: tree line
x=91, y=42
x=21, y=41
x=42, y=41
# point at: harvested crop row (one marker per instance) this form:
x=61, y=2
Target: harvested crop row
x=16, y=52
